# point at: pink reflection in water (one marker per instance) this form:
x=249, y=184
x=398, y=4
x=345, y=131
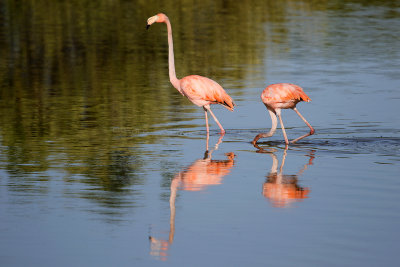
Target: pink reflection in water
x=200, y=174
x=280, y=189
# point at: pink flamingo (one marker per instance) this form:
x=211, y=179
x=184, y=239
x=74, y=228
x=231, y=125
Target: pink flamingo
x=200, y=90
x=282, y=96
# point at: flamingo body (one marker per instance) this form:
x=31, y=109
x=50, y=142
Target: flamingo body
x=201, y=91
x=283, y=96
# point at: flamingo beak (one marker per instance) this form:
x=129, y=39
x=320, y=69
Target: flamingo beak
x=151, y=20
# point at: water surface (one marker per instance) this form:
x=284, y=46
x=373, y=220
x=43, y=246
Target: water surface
x=103, y=162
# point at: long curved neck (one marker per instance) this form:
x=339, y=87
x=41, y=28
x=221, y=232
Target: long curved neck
x=271, y=131
x=171, y=60
x=274, y=122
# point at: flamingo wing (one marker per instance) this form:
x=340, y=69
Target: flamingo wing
x=284, y=92
x=204, y=91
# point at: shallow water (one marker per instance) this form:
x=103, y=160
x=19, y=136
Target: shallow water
x=103, y=162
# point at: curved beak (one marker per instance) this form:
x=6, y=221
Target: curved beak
x=151, y=20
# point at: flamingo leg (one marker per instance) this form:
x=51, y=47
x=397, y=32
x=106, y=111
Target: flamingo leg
x=278, y=112
x=208, y=130
x=215, y=118
x=312, y=131
x=207, y=139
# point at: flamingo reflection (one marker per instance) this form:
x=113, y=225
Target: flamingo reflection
x=199, y=175
x=281, y=189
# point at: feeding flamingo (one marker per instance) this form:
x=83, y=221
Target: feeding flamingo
x=200, y=90
x=282, y=96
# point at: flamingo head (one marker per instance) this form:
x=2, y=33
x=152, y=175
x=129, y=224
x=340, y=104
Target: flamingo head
x=157, y=18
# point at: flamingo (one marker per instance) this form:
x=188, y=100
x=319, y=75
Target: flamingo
x=282, y=96
x=200, y=90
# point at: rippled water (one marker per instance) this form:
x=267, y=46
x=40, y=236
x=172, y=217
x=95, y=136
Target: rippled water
x=102, y=162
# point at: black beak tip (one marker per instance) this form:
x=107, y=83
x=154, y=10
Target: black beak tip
x=147, y=26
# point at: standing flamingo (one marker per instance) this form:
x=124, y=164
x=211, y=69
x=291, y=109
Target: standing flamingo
x=282, y=96
x=200, y=90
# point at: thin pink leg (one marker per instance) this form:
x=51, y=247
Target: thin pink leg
x=207, y=139
x=278, y=112
x=205, y=113
x=215, y=118
x=312, y=131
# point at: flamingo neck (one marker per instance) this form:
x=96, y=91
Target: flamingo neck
x=171, y=60
x=271, y=131
x=274, y=122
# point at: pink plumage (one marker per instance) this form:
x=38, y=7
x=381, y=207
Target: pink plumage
x=204, y=91
x=283, y=96
x=200, y=90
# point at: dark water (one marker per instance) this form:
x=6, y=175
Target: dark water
x=103, y=162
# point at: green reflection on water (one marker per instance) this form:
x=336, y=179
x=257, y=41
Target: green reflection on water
x=82, y=82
